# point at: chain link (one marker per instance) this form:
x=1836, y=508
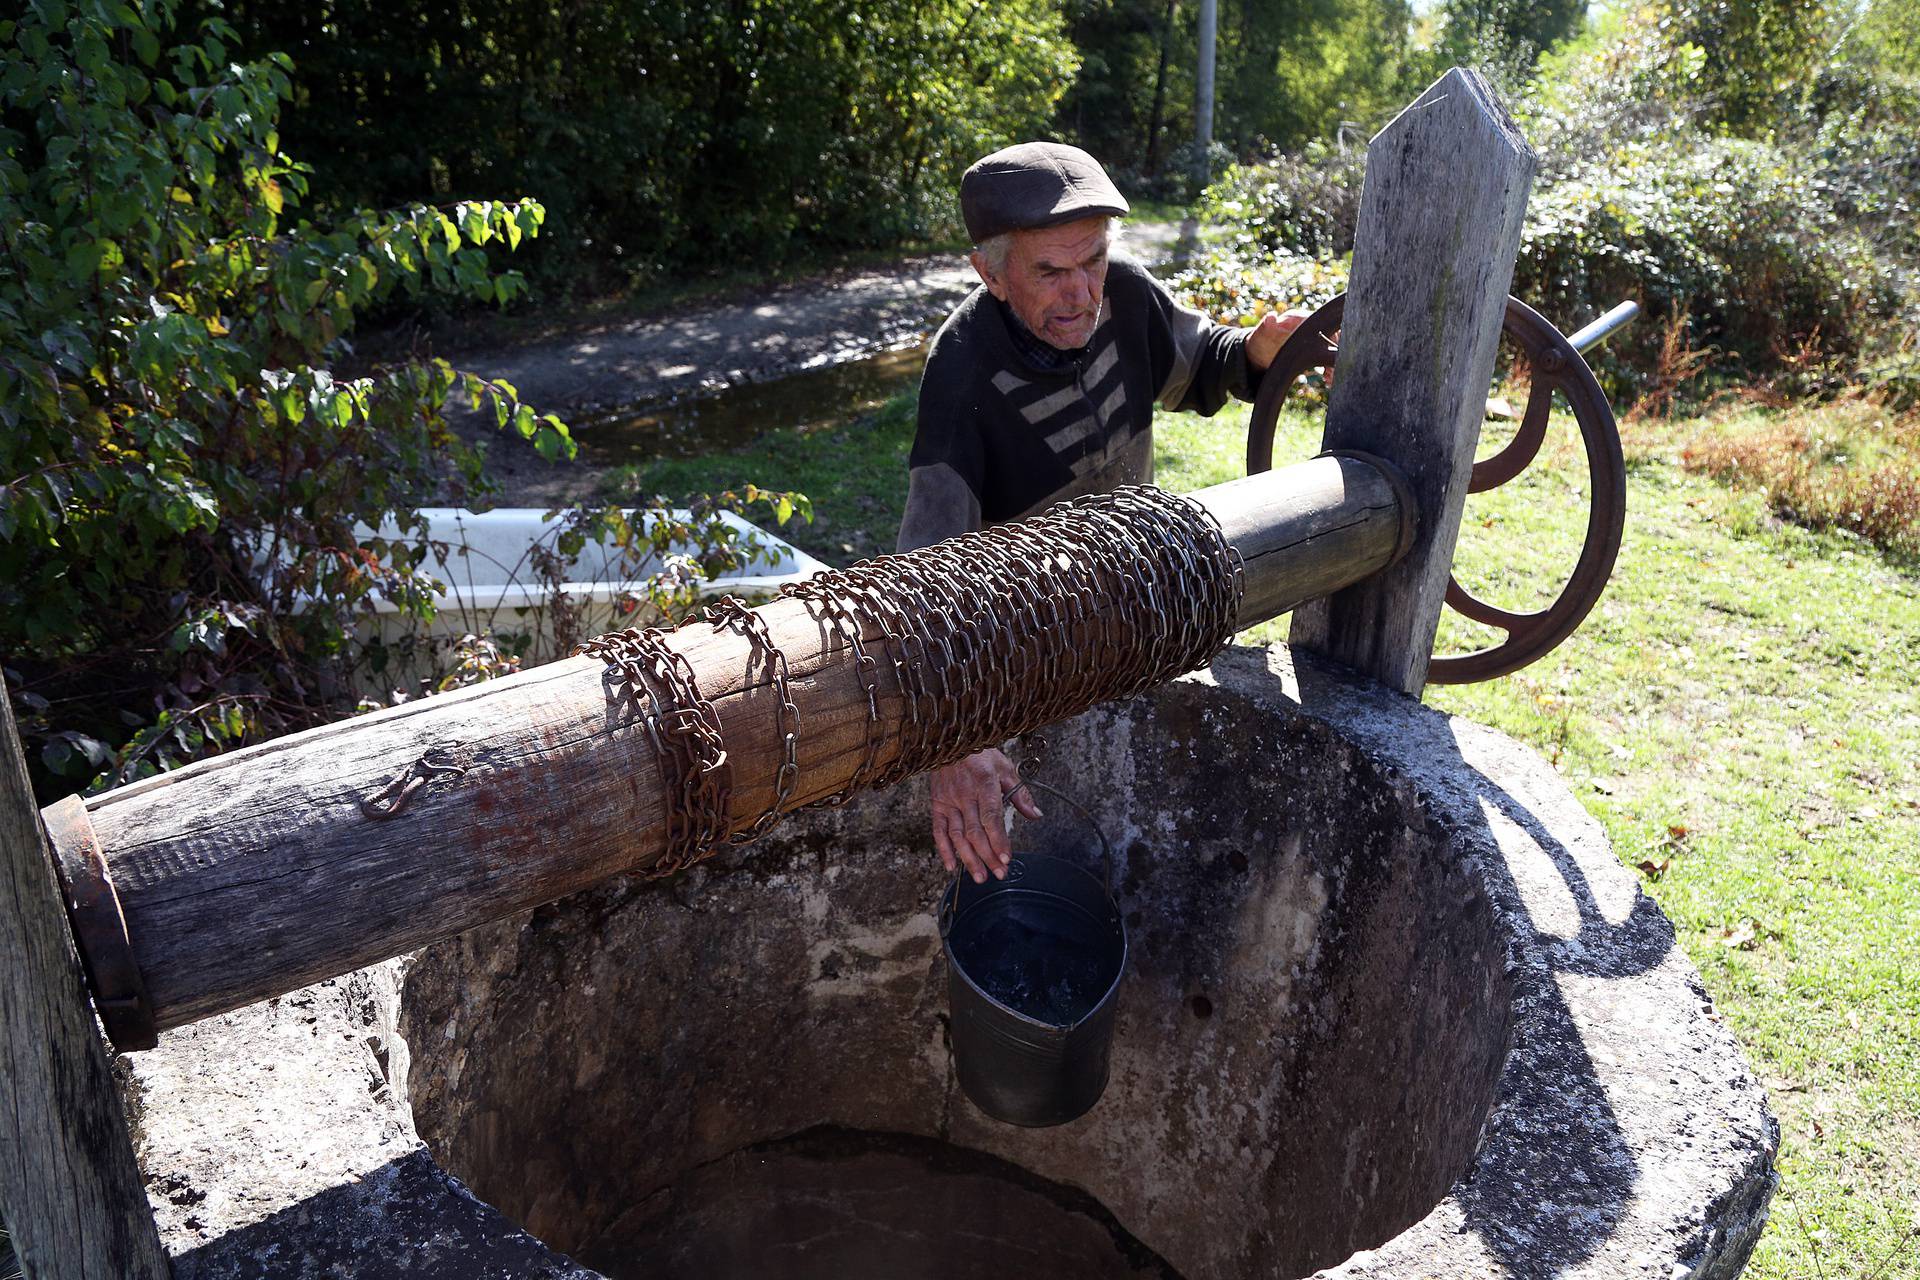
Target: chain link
x=657, y=687
x=988, y=636
x=731, y=613
x=999, y=632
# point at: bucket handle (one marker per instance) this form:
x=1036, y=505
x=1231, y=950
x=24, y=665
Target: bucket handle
x=950, y=899
x=1106, y=848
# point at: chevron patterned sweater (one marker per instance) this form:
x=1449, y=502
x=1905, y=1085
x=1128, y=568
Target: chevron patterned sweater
x=1008, y=427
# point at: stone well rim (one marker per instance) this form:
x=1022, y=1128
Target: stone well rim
x=1668, y=1131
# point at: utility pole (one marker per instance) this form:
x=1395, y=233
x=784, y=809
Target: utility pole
x=1203, y=91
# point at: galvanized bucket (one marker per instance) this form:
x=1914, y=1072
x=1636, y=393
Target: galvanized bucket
x=1033, y=967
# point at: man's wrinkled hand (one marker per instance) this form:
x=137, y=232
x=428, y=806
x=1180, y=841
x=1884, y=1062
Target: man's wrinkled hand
x=1267, y=337
x=969, y=825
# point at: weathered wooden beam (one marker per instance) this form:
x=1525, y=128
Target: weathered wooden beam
x=254, y=873
x=1433, y=254
x=70, y=1190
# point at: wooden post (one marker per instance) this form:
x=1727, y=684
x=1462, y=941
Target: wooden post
x=1439, y=227
x=251, y=874
x=70, y=1189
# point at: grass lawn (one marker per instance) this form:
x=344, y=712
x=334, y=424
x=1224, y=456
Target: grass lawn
x=1742, y=711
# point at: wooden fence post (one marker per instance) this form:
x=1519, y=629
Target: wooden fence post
x=69, y=1186
x=1439, y=228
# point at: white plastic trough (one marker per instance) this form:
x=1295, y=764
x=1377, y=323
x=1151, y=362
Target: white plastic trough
x=491, y=585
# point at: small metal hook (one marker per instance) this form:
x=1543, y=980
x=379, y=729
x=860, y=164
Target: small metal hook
x=392, y=798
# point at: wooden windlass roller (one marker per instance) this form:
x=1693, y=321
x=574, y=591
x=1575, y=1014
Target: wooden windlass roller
x=253, y=873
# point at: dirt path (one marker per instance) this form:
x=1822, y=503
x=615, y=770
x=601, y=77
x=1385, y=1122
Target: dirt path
x=803, y=325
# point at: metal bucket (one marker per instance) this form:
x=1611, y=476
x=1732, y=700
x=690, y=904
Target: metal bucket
x=1033, y=965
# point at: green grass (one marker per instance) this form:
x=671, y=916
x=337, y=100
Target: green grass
x=1742, y=715
x=1742, y=712
x=855, y=472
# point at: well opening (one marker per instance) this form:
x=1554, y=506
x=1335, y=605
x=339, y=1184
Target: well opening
x=746, y=1072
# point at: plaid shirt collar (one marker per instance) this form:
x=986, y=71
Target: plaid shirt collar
x=1041, y=355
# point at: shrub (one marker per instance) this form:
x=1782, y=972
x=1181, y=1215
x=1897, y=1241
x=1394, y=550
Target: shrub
x=1732, y=235
x=1303, y=204
x=1790, y=259
x=181, y=473
x=189, y=492
x=669, y=137
x=1856, y=469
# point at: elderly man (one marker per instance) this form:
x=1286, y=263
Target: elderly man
x=1039, y=387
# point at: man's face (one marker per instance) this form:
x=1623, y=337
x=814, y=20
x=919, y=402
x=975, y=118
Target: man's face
x=1054, y=280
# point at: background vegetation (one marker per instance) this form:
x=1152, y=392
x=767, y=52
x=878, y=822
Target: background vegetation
x=1708, y=160
x=194, y=502
x=668, y=138
x=665, y=136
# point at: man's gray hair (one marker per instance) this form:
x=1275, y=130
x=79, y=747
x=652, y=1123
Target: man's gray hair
x=994, y=249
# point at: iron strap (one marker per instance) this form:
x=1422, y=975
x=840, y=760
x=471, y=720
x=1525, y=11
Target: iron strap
x=99, y=927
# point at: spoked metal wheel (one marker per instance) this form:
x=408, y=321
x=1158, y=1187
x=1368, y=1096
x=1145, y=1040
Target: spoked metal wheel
x=1555, y=365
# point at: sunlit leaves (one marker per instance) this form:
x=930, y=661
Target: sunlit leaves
x=183, y=480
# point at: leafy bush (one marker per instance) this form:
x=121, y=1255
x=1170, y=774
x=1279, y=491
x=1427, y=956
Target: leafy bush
x=1238, y=283
x=1734, y=235
x=189, y=492
x=1305, y=203
x=181, y=474
x=667, y=136
x=1752, y=55
x=1790, y=259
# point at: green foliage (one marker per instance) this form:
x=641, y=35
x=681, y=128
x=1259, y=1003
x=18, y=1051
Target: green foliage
x=1734, y=235
x=668, y=136
x=1746, y=55
x=1287, y=71
x=1507, y=33
x=1788, y=259
x=181, y=473
x=1885, y=34
x=1303, y=202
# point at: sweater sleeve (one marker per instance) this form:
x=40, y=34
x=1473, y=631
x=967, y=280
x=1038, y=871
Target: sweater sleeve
x=1208, y=361
x=946, y=468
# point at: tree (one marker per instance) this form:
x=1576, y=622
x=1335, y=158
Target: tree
x=1749, y=52
x=1509, y=35
x=668, y=135
x=1886, y=33
x=1287, y=70
x=181, y=468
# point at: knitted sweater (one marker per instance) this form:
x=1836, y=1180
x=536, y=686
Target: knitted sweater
x=1002, y=435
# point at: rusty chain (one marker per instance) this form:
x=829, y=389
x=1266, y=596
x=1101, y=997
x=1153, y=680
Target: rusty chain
x=839, y=613
x=996, y=633
x=657, y=686
x=987, y=636
x=731, y=613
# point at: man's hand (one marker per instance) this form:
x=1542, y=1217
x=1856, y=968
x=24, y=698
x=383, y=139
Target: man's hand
x=968, y=825
x=1264, y=343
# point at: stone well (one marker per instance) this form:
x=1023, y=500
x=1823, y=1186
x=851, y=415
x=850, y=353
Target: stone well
x=1394, y=1009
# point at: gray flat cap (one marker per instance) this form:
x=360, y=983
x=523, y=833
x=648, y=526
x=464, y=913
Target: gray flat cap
x=1035, y=184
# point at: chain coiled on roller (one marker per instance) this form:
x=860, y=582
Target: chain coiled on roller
x=996, y=633
x=656, y=687
x=988, y=635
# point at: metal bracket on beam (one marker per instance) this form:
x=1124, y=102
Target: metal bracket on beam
x=99, y=928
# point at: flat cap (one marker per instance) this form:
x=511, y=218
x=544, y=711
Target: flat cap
x=1035, y=184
